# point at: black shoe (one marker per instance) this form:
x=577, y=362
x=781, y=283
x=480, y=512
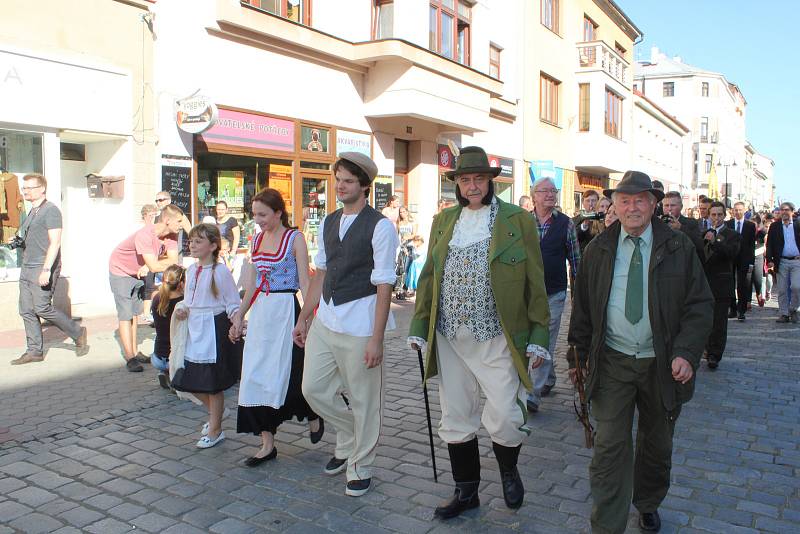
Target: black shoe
x=134, y=366
x=741, y=318
x=316, y=436
x=141, y=358
x=464, y=498
x=732, y=314
x=163, y=380
x=254, y=460
x=546, y=390
x=532, y=406
x=357, y=488
x=793, y=316
x=513, y=490
x=649, y=521
x=335, y=466
x=783, y=319
x=713, y=363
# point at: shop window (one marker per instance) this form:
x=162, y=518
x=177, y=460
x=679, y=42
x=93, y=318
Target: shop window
x=583, y=107
x=549, y=15
x=613, y=126
x=20, y=152
x=447, y=190
x=315, y=139
x=298, y=11
x=73, y=152
x=548, y=99
x=449, y=30
x=494, y=61
x=314, y=204
x=383, y=20
x=504, y=190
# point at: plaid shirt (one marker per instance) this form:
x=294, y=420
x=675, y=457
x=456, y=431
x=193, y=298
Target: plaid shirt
x=573, y=249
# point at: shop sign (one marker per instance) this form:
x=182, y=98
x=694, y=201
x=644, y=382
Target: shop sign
x=347, y=141
x=446, y=158
x=249, y=130
x=506, y=165
x=544, y=168
x=195, y=114
x=383, y=190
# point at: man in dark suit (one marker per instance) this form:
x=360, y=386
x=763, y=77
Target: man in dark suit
x=783, y=257
x=720, y=249
x=743, y=266
x=702, y=206
x=673, y=205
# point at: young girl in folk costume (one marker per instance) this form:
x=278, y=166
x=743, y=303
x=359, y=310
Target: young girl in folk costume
x=272, y=369
x=211, y=361
x=170, y=293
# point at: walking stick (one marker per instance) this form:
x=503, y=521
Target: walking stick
x=427, y=413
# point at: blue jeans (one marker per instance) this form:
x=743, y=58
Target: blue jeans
x=162, y=364
x=545, y=374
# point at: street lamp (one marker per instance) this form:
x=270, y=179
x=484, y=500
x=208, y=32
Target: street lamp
x=726, y=165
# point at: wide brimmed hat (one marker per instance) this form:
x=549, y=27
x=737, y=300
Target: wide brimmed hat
x=634, y=182
x=363, y=162
x=472, y=159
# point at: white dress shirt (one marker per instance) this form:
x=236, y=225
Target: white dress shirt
x=357, y=317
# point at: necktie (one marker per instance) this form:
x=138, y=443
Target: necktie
x=738, y=227
x=633, y=293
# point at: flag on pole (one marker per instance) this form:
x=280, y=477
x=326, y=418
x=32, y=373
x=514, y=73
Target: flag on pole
x=713, y=181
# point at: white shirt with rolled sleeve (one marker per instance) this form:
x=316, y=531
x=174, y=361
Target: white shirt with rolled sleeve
x=357, y=317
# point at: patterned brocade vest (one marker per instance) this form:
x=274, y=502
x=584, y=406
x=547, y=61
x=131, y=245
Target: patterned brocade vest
x=466, y=296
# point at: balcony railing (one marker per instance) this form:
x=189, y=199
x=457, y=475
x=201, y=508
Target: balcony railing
x=597, y=55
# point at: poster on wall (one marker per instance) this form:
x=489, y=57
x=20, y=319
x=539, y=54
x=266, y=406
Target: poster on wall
x=347, y=141
x=230, y=189
x=544, y=168
x=383, y=190
x=280, y=178
x=314, y=139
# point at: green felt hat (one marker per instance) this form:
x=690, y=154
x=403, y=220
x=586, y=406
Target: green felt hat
x=472, y=159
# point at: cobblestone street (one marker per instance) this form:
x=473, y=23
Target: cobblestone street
x=87, y=446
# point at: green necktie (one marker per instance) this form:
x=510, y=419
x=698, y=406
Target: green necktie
x=633, y=293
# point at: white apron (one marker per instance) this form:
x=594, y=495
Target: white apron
x=267, y=358
x=179, y=335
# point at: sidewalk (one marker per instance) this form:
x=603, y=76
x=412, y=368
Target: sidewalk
x=87, y=446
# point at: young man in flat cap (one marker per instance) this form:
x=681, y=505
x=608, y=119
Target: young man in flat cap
x=641, y=315
x=344, y=343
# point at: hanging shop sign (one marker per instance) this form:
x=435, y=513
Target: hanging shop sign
x=250, y=130
x=195, y=114
x=446, y=158
x=506, y=165
x=347, y=141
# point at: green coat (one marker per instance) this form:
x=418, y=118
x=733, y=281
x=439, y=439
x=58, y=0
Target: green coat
x=517, y=280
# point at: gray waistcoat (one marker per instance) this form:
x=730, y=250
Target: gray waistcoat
x=349, y=263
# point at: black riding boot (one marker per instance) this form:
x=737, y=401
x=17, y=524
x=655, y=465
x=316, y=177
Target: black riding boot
x=513, y=491
x=466, y=465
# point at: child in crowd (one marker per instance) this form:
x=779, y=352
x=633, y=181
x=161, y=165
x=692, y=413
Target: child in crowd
x=169, y=293
x=415, y=268
x=210, y=362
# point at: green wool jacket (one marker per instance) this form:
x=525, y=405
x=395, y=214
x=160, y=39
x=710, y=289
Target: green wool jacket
x=517, y=280
x=681, y=307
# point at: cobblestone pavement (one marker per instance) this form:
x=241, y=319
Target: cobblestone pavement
x=87, y=446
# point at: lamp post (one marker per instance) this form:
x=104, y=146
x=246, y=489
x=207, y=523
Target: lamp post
x=727, y=192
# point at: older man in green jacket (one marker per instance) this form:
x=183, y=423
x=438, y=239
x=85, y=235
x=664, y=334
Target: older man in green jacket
x=482, y=312
x=641, y=315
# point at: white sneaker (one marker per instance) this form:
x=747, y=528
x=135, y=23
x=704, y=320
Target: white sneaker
x=206, y=442
x=204, y=431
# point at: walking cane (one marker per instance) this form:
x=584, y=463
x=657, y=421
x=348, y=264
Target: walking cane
x=428, y=413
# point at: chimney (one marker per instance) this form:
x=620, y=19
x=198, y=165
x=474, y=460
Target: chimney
x=677, y=59
x=654, y=55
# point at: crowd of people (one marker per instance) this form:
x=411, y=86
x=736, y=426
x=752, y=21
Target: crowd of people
x=651, y=288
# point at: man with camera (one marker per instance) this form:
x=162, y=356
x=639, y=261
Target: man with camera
x=584, y=227
x=40, y=240
x=721, y=246
x=673, y=205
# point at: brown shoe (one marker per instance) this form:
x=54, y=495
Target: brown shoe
x=81, y=345
x=28, y=358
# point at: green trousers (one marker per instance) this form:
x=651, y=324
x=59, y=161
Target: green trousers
x=616, y=475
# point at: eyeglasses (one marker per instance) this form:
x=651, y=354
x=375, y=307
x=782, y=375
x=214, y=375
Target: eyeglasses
x=30, y=187
x=161, y=199
x=547, y=191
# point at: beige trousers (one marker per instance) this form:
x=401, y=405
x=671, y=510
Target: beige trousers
x=467, y=368
x=334, y=363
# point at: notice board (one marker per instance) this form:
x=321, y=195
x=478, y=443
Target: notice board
x=178, y=181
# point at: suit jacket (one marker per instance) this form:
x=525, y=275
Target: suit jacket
x=720, y=257
x=747, y=246
x=680, y=306
x=775, y=241
x=516, y=276
x=691, y=227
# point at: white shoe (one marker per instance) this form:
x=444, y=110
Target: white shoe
x=204, y=431
x=206, y=442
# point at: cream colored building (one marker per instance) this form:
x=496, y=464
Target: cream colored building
x=579, y=87
x=77, y=98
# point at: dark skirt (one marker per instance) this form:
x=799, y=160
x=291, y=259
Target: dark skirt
x=213, y=377
x=258, y=419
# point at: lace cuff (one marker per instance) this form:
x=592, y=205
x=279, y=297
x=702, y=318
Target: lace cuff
x=421, y=343
x=538, y=352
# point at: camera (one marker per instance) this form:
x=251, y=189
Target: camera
x=592, y=216
x=667, y=219
x=16, y=242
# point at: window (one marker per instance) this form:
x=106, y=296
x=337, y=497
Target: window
x=449, y=32
x=704, y=129
x=704, y=89
x=383, y=23
x=298, y=11
x=550, y=15
x=583, y=107
x=669, y=88
x=613, y=114
x=709, y=160
x=494, y=61
x=589, y=29
x=548, y=99
x=73, y=152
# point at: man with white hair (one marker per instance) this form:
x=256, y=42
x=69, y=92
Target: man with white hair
x=559, y=243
